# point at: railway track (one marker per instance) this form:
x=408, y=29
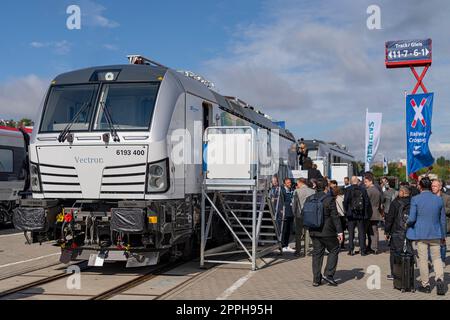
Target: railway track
x=135, y=282
x=28, y=270
x=106, y=294
x=83, y=266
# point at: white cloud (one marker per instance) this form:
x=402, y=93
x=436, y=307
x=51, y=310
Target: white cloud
x=21, y=97
x=93, y=15
x=59, y=47
x=317, y=66
x=111, y=47
x=37, y=44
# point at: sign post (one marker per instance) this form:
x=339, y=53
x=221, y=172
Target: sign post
x=411, y=54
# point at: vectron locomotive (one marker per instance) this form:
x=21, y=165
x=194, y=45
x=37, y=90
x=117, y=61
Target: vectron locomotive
x=105, y=184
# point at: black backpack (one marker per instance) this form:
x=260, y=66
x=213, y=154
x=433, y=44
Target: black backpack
x=357, y=202
x=403, y=215
x=313, y=212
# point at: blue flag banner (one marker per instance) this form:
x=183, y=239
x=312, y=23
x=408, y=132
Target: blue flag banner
x=419, y=111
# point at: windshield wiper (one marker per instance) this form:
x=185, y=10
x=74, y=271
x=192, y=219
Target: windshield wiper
x=63, y=135
x=112, y=126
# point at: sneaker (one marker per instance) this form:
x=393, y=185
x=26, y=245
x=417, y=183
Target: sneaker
x=287, y=249
x=426, y=289
x=330, y=281
x=440, y=287
x=390, y=277
x=351, y=253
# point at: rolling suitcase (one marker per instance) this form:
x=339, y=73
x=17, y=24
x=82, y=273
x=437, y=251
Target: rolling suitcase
x=404, y=278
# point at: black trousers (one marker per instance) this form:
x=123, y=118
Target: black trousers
x=344, y=227
x=285, y=228
x=361, y=225
x=319, y=246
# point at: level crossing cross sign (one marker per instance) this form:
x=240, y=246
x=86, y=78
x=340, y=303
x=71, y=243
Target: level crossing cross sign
x=418, y=112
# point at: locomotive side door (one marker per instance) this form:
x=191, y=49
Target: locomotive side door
x=194, y=144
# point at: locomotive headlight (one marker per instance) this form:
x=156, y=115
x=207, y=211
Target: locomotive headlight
x=158, y=177
x=35, y=178
x=156, y=170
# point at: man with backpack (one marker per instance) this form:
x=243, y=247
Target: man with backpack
x=358, y=211
x=395, y=226
x=321, y=218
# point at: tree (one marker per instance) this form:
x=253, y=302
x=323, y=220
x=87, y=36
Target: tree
x=441, y=161
x=11, y=123
x=394, y=171
x=25, y=122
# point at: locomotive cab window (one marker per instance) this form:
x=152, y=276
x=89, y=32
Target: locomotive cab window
x=126, y=106
x=66, y=105
x=6, y=161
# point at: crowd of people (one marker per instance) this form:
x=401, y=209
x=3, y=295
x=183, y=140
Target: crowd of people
x=414, y=219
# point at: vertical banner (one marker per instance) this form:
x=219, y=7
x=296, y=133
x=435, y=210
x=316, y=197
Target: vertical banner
x=419, y=112
x=373, y=135
x=385, y=166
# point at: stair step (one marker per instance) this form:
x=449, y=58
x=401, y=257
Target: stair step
x=261, y=241
x=242, y=202
x=248, y=218
x=249, y=226
x=249, y=210
x=265, y=234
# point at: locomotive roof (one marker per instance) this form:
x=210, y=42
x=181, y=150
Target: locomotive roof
x=312, y=144
x=140, y=73
x=128, y=72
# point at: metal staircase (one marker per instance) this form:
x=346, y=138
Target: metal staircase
x=238, y=210
x=249, y=216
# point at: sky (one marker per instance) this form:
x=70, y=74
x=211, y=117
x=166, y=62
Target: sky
x=312, y=63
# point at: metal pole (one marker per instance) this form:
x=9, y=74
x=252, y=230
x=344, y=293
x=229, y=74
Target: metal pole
x=366, y=163
x=203, y=240
x=254, y=229
x=406, y=169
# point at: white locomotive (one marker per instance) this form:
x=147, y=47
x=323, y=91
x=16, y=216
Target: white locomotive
x=105, y=183
x=13, y=169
